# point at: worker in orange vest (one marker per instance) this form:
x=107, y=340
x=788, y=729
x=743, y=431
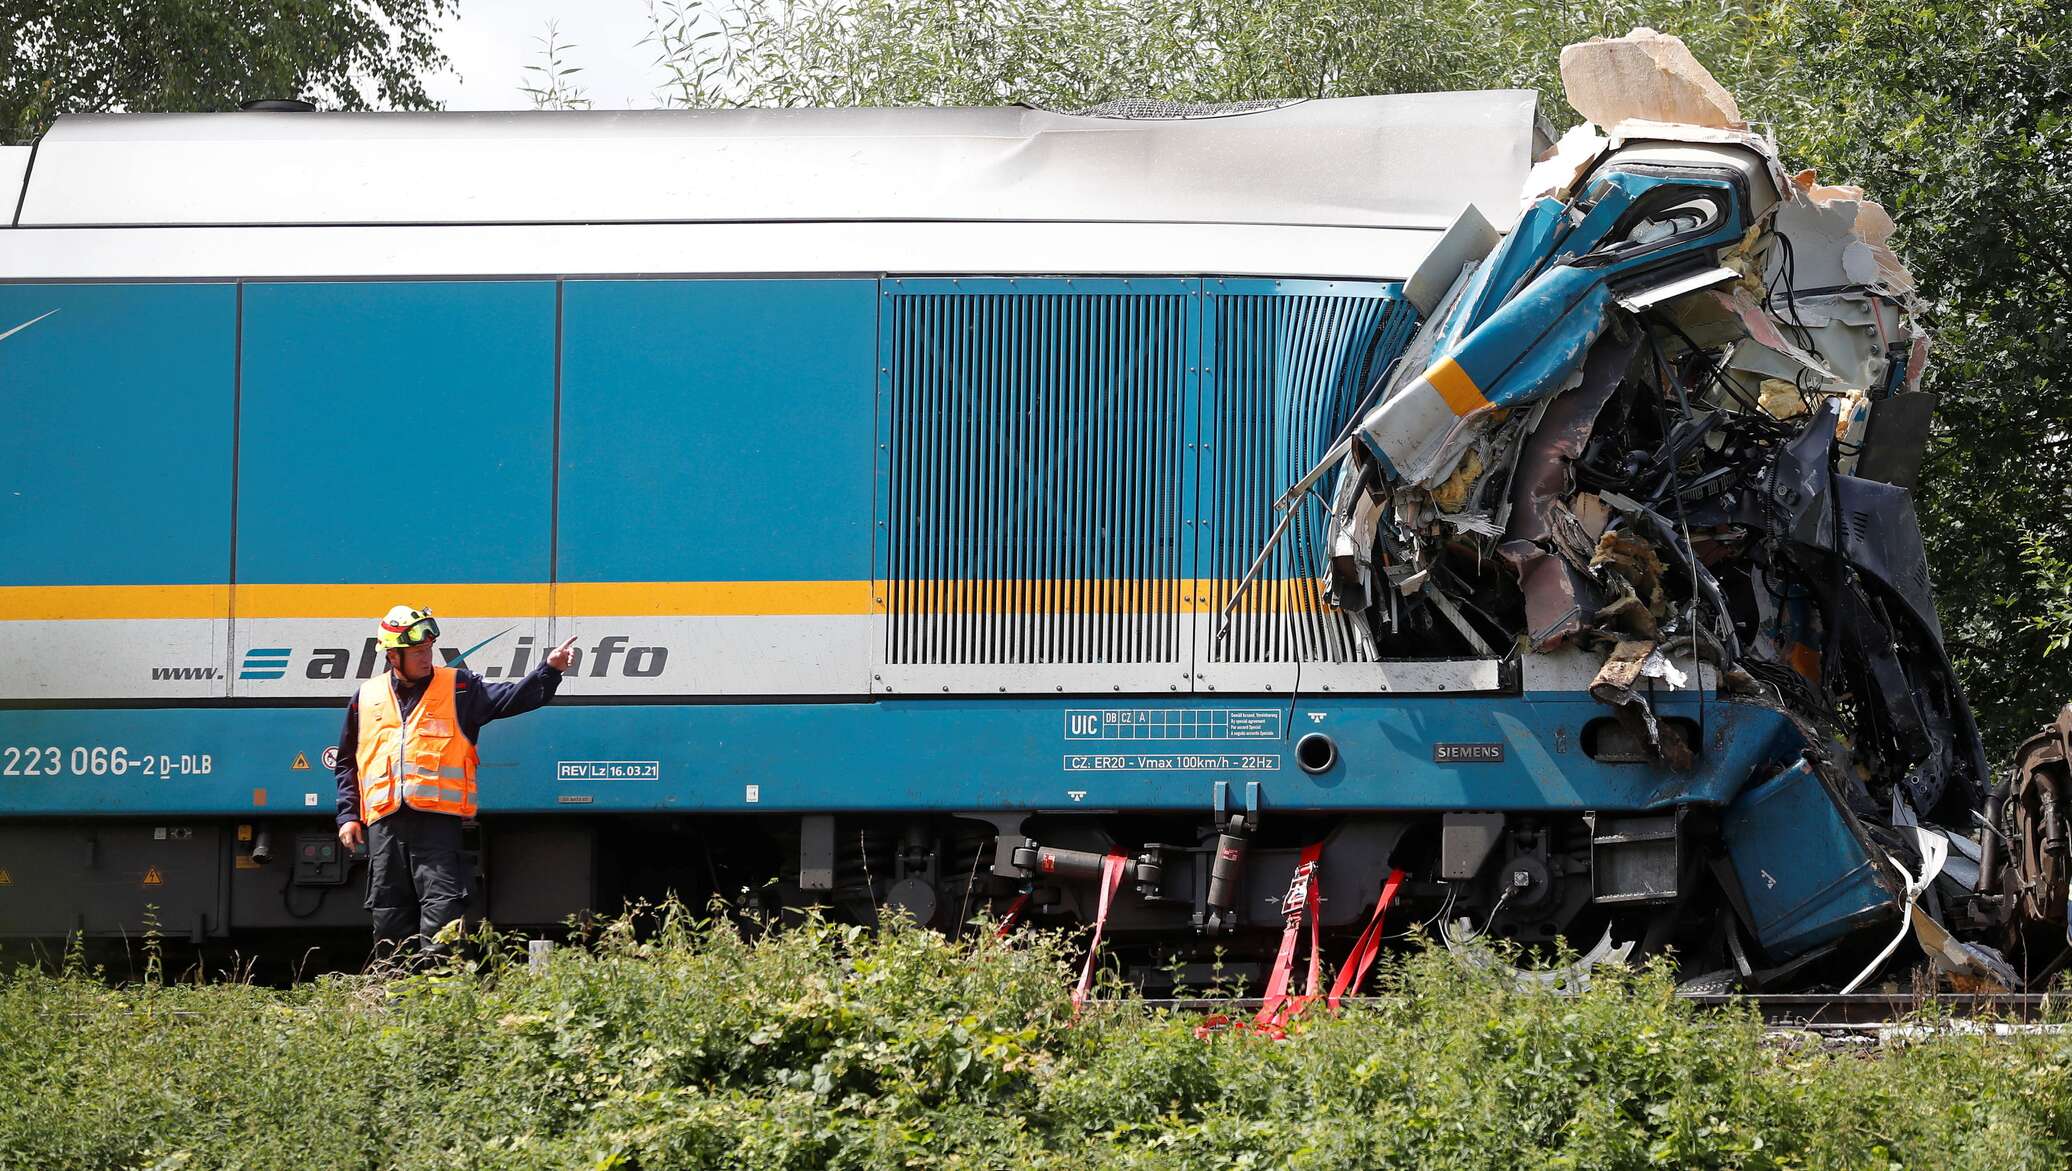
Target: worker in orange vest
x=406, y=772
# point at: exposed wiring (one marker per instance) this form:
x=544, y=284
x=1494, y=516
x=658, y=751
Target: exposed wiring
x=870, y=884
x=1488, y=920
x=1729, y=642
x=1788, y=277
x=1716, y=372
x=1445, y=909
x=1934, y=852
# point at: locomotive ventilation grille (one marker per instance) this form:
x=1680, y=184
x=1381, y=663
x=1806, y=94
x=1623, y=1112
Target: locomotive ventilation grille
x=1080, y=473
x=1285, y=371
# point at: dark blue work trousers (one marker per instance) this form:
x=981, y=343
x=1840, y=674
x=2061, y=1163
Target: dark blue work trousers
x=417, y=881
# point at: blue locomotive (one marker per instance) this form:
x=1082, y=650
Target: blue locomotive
x=965, y=508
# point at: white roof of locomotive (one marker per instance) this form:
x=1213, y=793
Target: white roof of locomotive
x=1405, y=161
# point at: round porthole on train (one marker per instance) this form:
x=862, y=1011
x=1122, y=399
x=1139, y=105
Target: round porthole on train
x=1316, y=753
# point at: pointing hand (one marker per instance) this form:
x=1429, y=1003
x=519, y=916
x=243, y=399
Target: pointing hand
x=560, y=657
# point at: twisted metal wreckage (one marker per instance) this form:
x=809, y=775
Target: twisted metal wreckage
x=1674, y=414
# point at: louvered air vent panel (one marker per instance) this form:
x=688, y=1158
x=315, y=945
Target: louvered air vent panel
x=1036, y=483
x=1287, y=362
x=1074, y=474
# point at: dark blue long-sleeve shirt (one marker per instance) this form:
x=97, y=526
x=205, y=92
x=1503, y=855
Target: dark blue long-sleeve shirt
x=476, y=701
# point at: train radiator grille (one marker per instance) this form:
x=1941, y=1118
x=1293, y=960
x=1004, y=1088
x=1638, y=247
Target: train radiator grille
x=1283, y=371
x=1038, y=476
x=1073, y=475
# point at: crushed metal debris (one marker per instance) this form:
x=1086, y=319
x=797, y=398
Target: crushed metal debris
x=1670, y=417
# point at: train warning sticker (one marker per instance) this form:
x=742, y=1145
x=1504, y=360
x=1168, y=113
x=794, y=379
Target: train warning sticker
x=153, y=878
x=301, y=761
x=608, y=770
x=1172, y=724
x=330, y=757
x=6, y=879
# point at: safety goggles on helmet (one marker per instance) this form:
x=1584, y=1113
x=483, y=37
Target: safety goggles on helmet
x=406, y=627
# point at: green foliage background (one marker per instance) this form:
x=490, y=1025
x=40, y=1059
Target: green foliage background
x=72, y=56
x=826, y=1047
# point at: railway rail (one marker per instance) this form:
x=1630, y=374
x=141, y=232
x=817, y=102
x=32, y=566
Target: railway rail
x=1872, y=1013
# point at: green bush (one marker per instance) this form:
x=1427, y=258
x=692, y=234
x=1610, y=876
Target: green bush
x=825, y=1046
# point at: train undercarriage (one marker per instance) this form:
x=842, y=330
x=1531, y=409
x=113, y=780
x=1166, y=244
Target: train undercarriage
x=1199, y=902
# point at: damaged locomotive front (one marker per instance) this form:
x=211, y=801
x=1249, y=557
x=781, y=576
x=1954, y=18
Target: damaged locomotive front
x=1666, y=425
x=1673, y=416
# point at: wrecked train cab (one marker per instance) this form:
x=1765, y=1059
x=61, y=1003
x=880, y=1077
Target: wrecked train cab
x=921, y=538
x=1668, y=423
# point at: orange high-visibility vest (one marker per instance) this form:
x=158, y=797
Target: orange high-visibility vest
x=426, y=763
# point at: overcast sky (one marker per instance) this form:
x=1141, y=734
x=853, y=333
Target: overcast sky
x=492, y=41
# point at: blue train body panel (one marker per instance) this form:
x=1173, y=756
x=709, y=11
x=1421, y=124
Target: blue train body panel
x=117, y=437
x=717, y=430
x=1770, y=832
x=924, y=755
x=1088, y=460
x=396, y=431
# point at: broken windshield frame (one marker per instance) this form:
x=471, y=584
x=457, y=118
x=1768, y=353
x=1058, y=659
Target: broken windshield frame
x=1690, y=210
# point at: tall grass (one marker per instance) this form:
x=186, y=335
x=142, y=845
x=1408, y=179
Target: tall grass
x=693, y=1046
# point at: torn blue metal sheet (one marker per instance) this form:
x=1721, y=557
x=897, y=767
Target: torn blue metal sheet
x=1806, y=873
x=1509, y=266
x=1532, y=310
x=1529, y=347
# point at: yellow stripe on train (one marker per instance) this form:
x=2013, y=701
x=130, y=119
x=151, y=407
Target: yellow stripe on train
x=652, y=598
x=1462, y=396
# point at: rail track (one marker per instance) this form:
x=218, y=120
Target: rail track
x=1872, y=1014
x=1860, y=1017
